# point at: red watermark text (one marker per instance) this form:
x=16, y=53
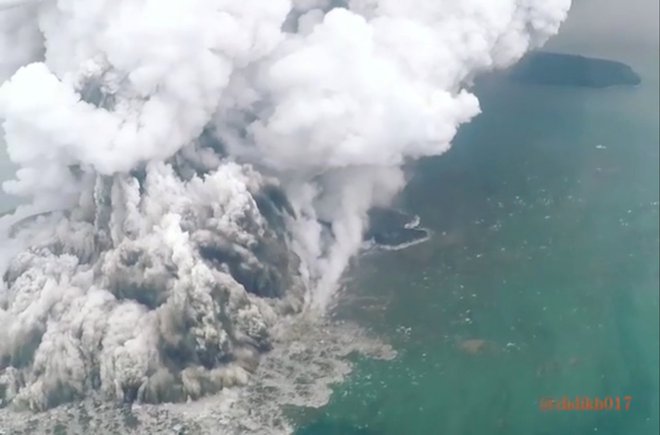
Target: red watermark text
x=609, y=403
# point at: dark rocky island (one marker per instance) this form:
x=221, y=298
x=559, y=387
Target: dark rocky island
x=557, y=69
x=394, y=229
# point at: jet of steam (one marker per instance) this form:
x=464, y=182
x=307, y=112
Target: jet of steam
x=192, y=170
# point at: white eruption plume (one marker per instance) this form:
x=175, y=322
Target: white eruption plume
x=193, y=169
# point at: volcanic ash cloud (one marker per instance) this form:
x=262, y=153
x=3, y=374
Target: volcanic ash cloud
x=151, y=289
x=193, y=170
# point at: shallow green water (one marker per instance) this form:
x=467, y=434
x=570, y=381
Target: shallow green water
x=545, y=247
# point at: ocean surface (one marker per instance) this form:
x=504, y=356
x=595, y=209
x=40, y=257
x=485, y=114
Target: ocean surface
x=540, y=279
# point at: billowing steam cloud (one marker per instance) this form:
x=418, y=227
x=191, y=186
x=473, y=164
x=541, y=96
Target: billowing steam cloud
x=194, y=169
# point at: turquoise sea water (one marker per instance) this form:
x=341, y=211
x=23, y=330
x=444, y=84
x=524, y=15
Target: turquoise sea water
x=544, y=255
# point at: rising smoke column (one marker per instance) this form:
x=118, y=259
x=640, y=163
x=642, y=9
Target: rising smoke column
x=194, y=169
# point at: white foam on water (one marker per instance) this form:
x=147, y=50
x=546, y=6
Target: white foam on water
x=406, y=245
x=414, y=223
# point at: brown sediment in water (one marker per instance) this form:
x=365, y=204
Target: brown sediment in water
x=473, y=346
